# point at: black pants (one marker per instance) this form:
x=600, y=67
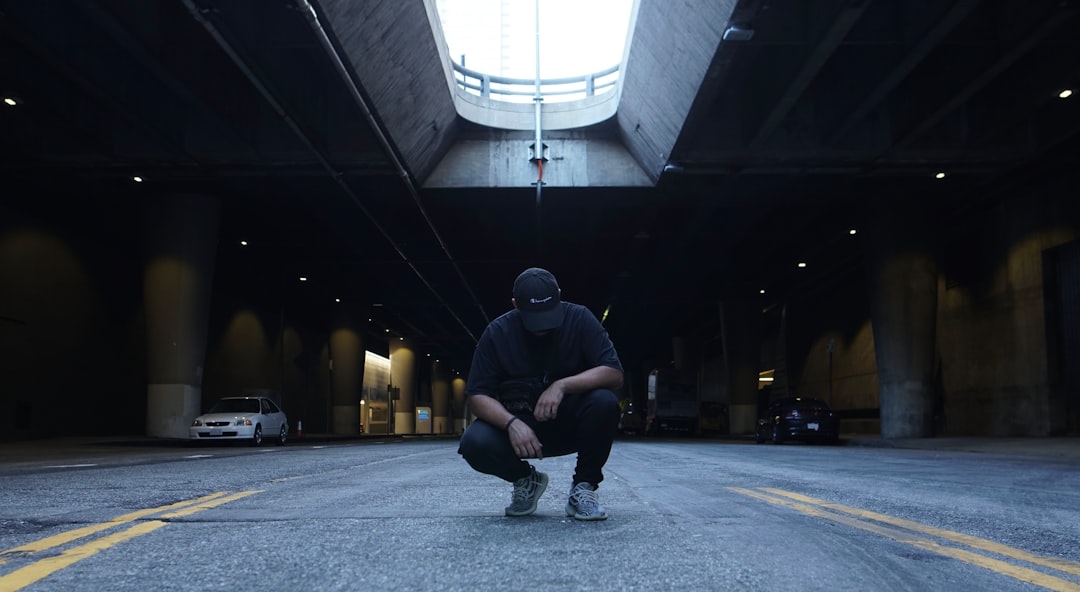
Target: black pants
x=586, y=424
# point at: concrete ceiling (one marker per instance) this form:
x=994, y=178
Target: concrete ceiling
x=758, y=153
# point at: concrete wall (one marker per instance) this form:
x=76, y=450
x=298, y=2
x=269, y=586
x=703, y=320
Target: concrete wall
x=992, y=371
x=260, y=347
x=834, y=317
x=992, y=317
x=72, y=330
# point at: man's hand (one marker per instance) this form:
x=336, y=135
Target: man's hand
x=547, y=406
x=524, y=440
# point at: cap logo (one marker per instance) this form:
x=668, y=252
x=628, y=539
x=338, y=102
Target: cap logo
x=539, y=300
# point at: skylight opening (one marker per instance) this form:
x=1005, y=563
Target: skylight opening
x=577, y=40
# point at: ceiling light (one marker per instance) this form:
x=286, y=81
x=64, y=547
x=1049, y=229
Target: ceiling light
x=802, y=264
x=303, y=278
x=940, y=175
x=1061, y=95
x=337, y=299
x=243, y=243
x=11, y=101
x=852, y=232
x=736, y=33
x=762, y=291
x=137, y=179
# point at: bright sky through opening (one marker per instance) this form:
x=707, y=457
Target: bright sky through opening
x=498, y=37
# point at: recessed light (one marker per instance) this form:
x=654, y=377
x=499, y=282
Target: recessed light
x=243, y=243
x=303, y=278
x=1061, y=95
x=852, y=232
x=11, y=101
x=802, y=264
x=761, y=291
x=940, y=175
x=337, y=299
x=137, y=179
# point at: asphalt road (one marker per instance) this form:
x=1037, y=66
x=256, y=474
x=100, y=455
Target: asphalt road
x=411, y=515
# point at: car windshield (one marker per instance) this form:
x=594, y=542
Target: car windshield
x=810, y=405
x=235, y=406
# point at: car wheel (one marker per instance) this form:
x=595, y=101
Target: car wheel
x=283, y=435
x=777, y=434
x=256, y=438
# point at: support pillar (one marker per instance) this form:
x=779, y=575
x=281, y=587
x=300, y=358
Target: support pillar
x=457, y=387
x=902, y=277
x=403, y=376
x=181, y=244
x=346, y=374
x=741, y=330
x=440, y=399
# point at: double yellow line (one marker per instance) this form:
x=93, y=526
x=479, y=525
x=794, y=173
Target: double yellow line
x=29, y=574
x=911, y=533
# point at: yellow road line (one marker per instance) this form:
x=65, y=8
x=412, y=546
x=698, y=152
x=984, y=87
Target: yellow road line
x=1020, y=573
x=29, y=574
x=25, y=576
x=66, y=537
x=206, y=505
x=1063, y=565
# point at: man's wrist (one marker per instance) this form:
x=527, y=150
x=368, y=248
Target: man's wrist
x=506, y=426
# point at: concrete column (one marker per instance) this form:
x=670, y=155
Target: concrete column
x=681, y=356
x=457, y=387
x=741, y=331
x=902, y=280
x=181, y=244
x=346, y=373
x=403, y=376
x=440, y=399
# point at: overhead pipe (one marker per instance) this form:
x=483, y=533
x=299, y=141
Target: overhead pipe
x=199, y=16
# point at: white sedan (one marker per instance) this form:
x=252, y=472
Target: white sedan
x=241, y=418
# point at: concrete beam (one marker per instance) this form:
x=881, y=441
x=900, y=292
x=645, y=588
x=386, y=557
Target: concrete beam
x=401, y=64
x=502, y=159
x=670, y=53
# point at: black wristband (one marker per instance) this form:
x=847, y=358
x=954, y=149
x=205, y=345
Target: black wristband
x=508, y=422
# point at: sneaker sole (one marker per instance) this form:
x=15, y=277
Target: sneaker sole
x=542, y=489
x=570, y=511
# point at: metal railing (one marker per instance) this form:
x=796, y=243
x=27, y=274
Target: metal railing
x=522, y=90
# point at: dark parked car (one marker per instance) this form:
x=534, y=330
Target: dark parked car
x=798, y=418
x=631, y=421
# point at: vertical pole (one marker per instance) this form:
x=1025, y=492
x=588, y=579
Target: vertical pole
x=538, y=145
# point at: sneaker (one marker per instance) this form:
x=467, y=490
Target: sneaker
x=584, y=503
x=527, y=492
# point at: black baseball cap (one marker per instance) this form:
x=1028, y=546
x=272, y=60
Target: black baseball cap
x=536, y=294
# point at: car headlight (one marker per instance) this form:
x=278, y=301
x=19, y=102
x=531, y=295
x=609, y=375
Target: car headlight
x=196, y=423
x=243, y=421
